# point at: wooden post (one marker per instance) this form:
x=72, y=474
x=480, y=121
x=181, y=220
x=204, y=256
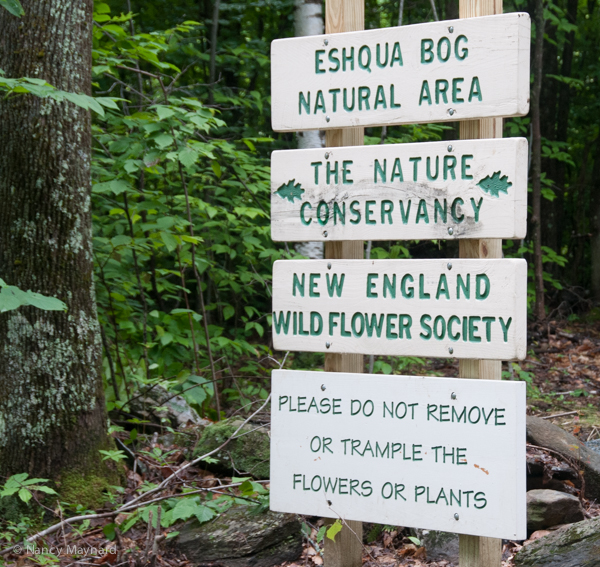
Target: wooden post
x=475, y=551
x=344, y=16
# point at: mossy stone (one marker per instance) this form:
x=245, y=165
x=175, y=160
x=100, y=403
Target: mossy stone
x=248, y=454
x=575, y=546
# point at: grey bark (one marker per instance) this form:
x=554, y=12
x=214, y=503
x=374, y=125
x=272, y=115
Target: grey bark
x=536, y=159
x=52, y=412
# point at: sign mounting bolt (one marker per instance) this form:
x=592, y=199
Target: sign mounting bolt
x=327, y=345
x=326, y=155
x=329, y=265
x=327, y=119
x=451, y=350
x=450, y=231
x=323, y=387
x=329, y=503
x=449, y=265
x=326, y=42
x=456, y=516
x=450, y=112
x=325, y=233
x=450, y=148
x=452, y=395
x=451, y=30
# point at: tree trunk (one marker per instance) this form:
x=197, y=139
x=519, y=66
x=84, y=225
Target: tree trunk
x=308, y=20
x=52, y=412
x=536, y=159
x=595, y=226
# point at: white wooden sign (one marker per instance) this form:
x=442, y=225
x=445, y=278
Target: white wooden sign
x=443, y=308
x=457, y=189
x=436, y=453
x=434, y=72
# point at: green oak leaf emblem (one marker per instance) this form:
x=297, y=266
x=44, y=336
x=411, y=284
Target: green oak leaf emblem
x=495, y=184
x=290, y=191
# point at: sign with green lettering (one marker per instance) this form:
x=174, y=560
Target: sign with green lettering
x=458, y=189
x=461, y=308
x=435, y=453
x=434, y=72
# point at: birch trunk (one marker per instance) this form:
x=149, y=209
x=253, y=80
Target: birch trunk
x=52, y=411
x=308, y=20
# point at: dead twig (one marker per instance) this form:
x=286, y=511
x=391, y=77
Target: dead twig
x=560, y=414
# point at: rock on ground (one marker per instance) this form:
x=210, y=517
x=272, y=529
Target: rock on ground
x=248, y=454
x=241, y=538
x=594, y=445
x=547, y=508
x=544, y=434
x=440, y=546
x=573, y=546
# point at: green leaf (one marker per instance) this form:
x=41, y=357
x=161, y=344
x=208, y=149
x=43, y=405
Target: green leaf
x=120, y=240
x=45, y=489
x=204, y=514
x=184, y=509
x=216, y=168
x=13, y=6
x=195, y=395
x=228, y=312
x=415, y=540
x=188, y=157
x=164, y=112
x=9, y=301
x=495, y=184
x=45, y=303
x=321, y=534
x=170, y=241
x=12, y=297
x=290, y=191
x=334, y=529
x=109, y=531
x=163, y=140
x=127, y=525
x=102, y=8
x=25, y=495
x=107, y=102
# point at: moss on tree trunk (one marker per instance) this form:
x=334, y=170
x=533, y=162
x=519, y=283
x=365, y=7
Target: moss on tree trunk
x=52, y=411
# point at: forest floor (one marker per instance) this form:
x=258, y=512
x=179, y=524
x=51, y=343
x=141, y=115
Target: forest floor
x=562, y=371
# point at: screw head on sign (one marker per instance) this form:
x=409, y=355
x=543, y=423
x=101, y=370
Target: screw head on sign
x=450, y=112
x=327, y=345
x=456, y=516
x=323, y=387
x=325, y=233
x=450, y=29
x=327, y=119
x=450, y=231
x=329, y=503
x=326, y=155
x=451, y=350
x=326, y=42
x=329, y=265
x=450, y=148
x=449, y=265
x=453, y=395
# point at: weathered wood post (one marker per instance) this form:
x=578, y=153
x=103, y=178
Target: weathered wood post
x=344, y=16
x=480, y=551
